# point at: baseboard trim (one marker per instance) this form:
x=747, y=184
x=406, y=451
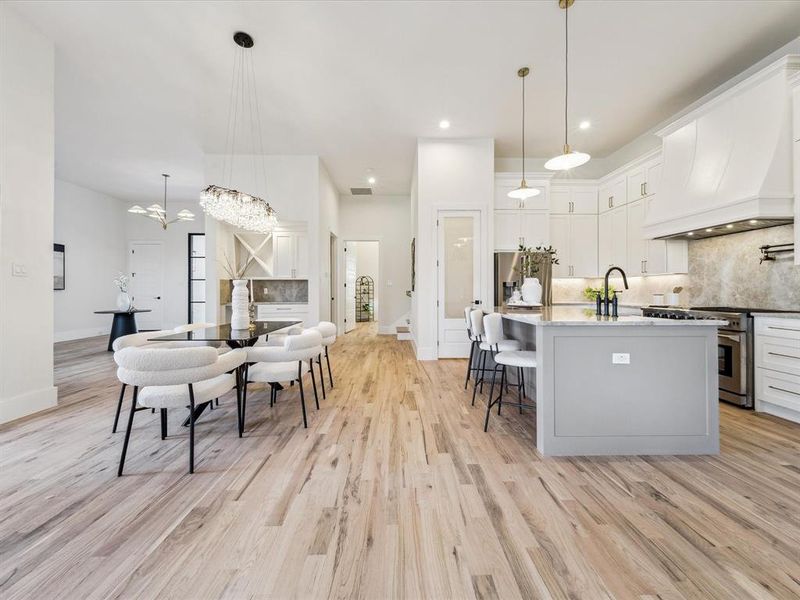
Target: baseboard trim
x=79, y=334
x=22, y=405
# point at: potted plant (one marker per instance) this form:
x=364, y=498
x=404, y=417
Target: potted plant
x=531, y=260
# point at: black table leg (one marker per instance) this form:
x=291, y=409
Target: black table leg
x=123, y=324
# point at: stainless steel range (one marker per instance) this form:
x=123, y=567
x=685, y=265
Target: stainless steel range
x=735, y=348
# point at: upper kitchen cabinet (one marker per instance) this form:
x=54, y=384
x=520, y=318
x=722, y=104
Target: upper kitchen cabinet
x=290, y=254
x=573, y=198
x=506, y=182
x=643, y=181
x=613, y=238
x=613, y=193
x=574, y=237
x=649, y=256
x=515, y=228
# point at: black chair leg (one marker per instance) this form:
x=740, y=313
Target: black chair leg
x=302, y=393
x=191, y=428
x=478, y=379
x=328, y=360
x=119, y=407
x=469, y=363
x=314, y=383
x=490, y=401
x=321, y=376
x=483, y=369
x=503, y=382
x=163, y=423
x=239, y=378
x=128, y=431
x=519, y=387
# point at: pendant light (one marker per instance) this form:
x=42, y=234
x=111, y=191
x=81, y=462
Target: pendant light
x=569, y=159
x=523, y=191
x=159, y=213
x=222, y=202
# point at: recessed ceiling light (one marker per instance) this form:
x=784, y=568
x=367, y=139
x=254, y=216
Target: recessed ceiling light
x=444, y=124
x=585, y=124
x=709, y=230
x=371, y=180
x=690, y=233
x=729, y=226
x=753, y=221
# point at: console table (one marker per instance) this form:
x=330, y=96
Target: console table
x=124, y=323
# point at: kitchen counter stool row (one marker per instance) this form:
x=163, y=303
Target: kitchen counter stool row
x=189, y=368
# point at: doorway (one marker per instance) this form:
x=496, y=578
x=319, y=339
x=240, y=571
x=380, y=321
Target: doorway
x=458, y=276
x=146, y=288
x=362, y=277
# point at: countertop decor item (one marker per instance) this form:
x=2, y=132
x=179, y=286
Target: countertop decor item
x=222, y=202
x=159, y=212
x=240, y=302
x=523, y=192
x=570, y=158
x=537, y=262
x=123, y=298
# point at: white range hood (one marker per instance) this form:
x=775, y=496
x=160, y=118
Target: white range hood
x=727, y=165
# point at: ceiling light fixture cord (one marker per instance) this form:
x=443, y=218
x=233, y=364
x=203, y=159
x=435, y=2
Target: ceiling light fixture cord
x=258, y=125
x=523, y=128
x=228, y=122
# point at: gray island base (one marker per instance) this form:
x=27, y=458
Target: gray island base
x=629, y=385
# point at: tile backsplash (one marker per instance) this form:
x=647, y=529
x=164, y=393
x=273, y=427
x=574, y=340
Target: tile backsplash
x=723, y=271
x=272, y=290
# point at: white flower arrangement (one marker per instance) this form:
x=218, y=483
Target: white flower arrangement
x=122, y=282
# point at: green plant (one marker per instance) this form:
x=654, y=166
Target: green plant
x=533, y=257
x=591, y=293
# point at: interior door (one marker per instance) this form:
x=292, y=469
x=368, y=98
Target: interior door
x=146, y=267
x=349, y=287
x=459, y=278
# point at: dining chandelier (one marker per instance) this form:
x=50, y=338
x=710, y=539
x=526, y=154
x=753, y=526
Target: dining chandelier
x=159, y=213
x=570, y=158
x=221, y=202
x=523, y=191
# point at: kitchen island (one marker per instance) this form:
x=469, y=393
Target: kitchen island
x=627, y=385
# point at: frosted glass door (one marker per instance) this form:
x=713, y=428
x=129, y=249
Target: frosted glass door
x=459, y=279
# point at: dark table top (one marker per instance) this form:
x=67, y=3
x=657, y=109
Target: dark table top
x=122, y=312
x=224, y=333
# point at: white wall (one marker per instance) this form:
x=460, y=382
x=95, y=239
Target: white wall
x=26, y=217
x=175, y=242
x=386, y=219
x=91, y=225
x=328, y=224
x=451, y=174
x=293, y=191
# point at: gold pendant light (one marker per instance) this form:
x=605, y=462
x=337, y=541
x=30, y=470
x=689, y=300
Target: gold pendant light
x=569, y=159
x=523, y=191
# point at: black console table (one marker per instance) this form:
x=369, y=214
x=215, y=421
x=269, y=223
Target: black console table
x=124, y=323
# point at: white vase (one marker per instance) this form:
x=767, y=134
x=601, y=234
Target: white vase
x=123, y=301
x=240, y=299
x=531, y=291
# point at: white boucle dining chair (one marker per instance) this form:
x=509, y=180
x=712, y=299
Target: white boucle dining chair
x=287, y=363
x=167, y=378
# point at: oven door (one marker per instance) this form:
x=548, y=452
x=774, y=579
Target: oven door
x=731, y=356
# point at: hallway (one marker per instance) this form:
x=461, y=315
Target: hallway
x=393, y=491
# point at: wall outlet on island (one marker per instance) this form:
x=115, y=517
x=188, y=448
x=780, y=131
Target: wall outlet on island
x=620, y=358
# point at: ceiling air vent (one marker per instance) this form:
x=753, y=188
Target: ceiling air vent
x=361, y=191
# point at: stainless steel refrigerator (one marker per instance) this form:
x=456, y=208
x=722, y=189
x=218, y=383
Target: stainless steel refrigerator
x=506, y=277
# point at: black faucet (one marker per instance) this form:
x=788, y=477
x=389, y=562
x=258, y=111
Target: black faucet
x=605, y=298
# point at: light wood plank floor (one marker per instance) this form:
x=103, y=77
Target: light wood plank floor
x=394, y=491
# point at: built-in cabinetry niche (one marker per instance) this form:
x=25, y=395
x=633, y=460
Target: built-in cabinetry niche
x=281, y=254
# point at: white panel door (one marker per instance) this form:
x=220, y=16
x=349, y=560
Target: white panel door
x=583, y=245
x=350, y=259
x=506, y=230
x=535, y=228
x=560, y=240
x=146, y=268
x=283, y=254
x=459, y=278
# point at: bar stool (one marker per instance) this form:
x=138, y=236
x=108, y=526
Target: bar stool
x=472, y=346
x=505, y=345
x=521, y=359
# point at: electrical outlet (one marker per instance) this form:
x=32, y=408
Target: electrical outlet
x=620, y=358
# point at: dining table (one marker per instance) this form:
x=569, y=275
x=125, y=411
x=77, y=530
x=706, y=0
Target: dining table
x=233, y=338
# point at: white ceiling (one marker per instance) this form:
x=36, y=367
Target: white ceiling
x=142, y=87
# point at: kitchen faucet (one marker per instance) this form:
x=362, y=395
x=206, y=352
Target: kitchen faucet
x=605, y=299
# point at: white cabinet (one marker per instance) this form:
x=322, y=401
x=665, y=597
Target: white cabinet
x=560, y=240
x=504, y=184
x=567, y=199
x=613, y=234
x=575, y=239
x=613, y=194
x=643, y=181
x=282, y=312
x=652, y=257
x=796, y=111
x=290, y=254
x=777, y=360
x=513, y=228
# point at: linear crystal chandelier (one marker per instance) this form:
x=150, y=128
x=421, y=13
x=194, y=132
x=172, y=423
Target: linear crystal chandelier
x=222, y=202
x=159, y=213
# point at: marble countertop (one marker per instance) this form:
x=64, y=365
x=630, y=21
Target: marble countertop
x=561, y=315
x=274, y=303
x=778, y=315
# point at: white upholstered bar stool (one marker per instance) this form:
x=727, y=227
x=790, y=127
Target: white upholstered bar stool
x=167, y=378
x=477, y=319
x=328, y=332
x=473, y=344
x=278, y=364
x=519, y=359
